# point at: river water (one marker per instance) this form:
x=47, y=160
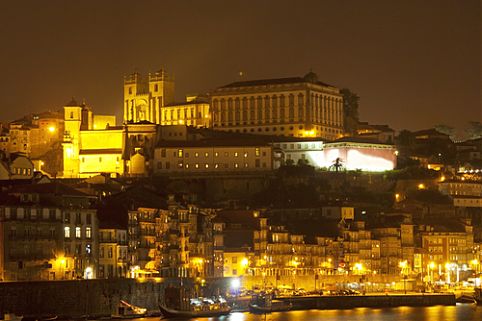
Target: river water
x=460, y=312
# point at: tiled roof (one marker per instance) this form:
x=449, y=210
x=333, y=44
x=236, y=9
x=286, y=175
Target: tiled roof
x=273, y=81
x=212, y=143
x=54, y=188
x=185, y=103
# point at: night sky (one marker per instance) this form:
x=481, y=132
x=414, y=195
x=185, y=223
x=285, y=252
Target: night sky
x=413, y=63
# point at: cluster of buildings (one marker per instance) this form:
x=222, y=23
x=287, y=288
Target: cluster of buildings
x=158, y=134
x=83, y=197
x=53, y=231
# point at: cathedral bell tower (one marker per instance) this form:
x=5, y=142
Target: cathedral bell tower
x=144, y=98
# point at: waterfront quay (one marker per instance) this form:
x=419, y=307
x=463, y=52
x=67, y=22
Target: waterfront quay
x=100, y=298
x=370, y=301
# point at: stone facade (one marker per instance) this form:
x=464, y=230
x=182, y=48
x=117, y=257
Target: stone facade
x=298, y=106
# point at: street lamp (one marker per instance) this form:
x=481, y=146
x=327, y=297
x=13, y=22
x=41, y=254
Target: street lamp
x=295, y=264
x=403, y=265
x=244, y=264
x=358, y=268
x=430, y=268
x=475, y=265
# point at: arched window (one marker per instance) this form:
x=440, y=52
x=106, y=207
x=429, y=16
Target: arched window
x=245, y=109
x=230, y=111
x=266, y=109
x=282, y=108
x=259, y=108
x=325, y=110
x=274, y=106
x=301, y=108
x=291, y=108
x=222, y=110
x=237, y=111
x=317, y=109
x=216, y=117
x=252, y=110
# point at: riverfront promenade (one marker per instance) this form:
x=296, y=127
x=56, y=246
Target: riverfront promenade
x=102, y=297
x=371, y=300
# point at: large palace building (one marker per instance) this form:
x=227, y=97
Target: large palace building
x=298, y=106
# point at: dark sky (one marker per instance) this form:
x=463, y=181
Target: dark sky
x=413, y=63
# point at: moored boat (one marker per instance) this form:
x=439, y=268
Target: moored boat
x=129, y=311
x=266, y=304
x=200, y=308
x=468, y=299
x=40, y=318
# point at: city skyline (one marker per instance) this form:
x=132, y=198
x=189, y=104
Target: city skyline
x=84, y=50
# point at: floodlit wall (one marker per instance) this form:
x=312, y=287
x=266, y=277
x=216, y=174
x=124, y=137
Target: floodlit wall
x=101, y=139
x=349, y=156
x=101, y=121
x=92, y=164
x=208, y=159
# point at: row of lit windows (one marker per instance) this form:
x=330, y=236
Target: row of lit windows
x=78, y=232
x=330, y=110
x=275, y=101
x=78, y=250
x=274, y=129
x=180, y=114
x=22, y=171
x=300, y=146
x=100, y=159
x=252, y=121
x=181, y=153
x=181, y=164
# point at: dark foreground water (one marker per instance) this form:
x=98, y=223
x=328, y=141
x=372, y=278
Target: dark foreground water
x=462, y=312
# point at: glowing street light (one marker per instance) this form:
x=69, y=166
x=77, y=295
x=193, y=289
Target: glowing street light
x=235, y=285
x=358, y=268
x=430, y=268
x=245, y=262
x=88, y=273
x=51, y=129
x=403, y=265
x=475, y=265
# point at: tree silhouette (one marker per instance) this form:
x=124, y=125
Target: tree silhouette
x=350, y=109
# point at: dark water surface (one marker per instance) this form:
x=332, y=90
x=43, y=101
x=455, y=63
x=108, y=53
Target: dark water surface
x=461, y=312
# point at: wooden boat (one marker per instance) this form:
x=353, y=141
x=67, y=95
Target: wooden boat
x=467, y=299
x=129, y=311
x=40, y=318
x=172, y=313
x=266, y=304
x=275, y=306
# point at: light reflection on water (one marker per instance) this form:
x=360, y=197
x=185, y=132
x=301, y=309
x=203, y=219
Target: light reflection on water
x=464, y=312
